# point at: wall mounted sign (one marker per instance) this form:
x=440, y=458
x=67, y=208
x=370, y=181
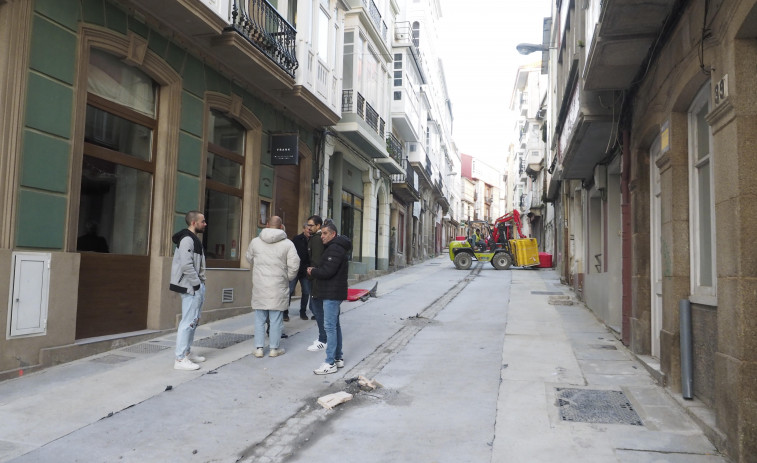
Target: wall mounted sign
x=284, y=149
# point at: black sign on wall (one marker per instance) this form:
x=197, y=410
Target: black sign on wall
x=284, y=149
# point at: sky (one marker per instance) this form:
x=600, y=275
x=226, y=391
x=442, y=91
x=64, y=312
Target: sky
x=477, y=47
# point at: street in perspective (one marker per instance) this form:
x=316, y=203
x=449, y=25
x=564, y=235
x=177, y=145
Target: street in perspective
x=478, y=365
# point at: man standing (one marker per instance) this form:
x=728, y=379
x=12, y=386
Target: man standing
x=315, y=250
x=188, y=279
x=274, y=263
x=301, y=244
x=331, y=276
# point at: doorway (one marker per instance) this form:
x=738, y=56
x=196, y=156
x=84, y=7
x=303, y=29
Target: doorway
x=288, y=198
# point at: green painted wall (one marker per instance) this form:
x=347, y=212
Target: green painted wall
x=43, y=200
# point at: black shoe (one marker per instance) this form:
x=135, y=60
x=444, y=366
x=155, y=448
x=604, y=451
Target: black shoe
x=286, y=318
x=284, y=336
x=313, y=317
x=303, y=316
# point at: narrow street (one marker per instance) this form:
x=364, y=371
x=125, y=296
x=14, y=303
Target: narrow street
x=471, y=364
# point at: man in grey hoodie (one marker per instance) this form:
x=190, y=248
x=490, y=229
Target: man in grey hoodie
x=188, y=279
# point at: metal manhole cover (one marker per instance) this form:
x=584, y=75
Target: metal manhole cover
x=222, y=340
x=596, y=406
x=547, y=292
x=145, y=348
x=112, y=359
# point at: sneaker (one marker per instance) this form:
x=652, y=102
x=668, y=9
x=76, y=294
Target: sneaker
x=276, y=352
x=325, y=369
x=196, y=358
x=313, y=317
x=303, y=316
x=316, y=346
x=258, y=352
x=339, y=363
x=286, y=318
x=185, y=364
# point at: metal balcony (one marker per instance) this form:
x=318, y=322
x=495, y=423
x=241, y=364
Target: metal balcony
x=405, y=185
x=260, y=23
x=362, y=124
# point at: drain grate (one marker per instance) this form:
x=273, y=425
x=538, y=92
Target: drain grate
x=596, y=406
x=112, y=359
x=145, y=348
x=222, y=340
x=549, y=293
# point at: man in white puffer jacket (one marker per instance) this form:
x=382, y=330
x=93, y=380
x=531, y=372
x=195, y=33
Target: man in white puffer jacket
x=275, y=263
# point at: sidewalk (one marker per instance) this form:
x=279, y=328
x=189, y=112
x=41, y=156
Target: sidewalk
x=601, y=402
x=546, y=369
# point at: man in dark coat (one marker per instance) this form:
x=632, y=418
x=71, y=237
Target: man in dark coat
x=301, y=245
x=331, y=275
x=315, y=250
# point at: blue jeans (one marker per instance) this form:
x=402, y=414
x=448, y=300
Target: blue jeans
x=277, y=326
x=191, y=305
x=316, y=306
x=305, y=287
x=331, y=308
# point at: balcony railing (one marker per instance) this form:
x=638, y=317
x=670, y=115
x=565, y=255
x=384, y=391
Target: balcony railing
x=428, y=166
x=408, y=177
x=364, y=110
x=266, y=30
x=394, y=148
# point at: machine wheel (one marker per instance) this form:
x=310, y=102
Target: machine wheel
x=463, y=261
x=502, y=261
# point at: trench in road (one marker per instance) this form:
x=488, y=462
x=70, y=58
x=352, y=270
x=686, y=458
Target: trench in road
x=283, y=442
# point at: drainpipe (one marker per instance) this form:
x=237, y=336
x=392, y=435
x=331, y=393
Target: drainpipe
x=625, y=212
x=684, y=313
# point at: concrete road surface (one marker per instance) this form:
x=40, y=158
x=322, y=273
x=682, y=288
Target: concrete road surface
x=475, y=366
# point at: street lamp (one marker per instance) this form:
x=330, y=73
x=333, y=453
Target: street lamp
x=528, y=48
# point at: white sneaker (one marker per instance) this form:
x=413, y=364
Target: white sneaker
x=196, y=358
x=325, y=369
x=258, y=352
x=339, y=363
x=276, y=352
x=317, y=346
x=185, y=364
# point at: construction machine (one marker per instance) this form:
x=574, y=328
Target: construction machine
x=502, y=244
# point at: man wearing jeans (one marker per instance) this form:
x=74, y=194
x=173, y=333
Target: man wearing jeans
x=315, y=250
x=331, y=278
x=188, y=279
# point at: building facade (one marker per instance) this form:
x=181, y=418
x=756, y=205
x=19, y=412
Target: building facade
x=651, y=173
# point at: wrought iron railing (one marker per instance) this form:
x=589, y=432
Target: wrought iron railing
x=394, y=148
x=260, y=23
x=347, y=101
x=360, y=106
x=428, y=166
x=382, y=127
x=408, y=177
x=371, y=116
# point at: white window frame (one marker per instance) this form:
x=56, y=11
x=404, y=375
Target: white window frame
x=701, y=294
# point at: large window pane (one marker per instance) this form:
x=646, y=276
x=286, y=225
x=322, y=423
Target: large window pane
x=224, y=171
x=705, y=226
x=114, y=208
x=223, y=213
x=702, y=134
x=118, y=134
x=113, y=80
x=226, y=133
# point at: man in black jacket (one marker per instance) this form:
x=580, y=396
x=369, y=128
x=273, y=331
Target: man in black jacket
x=301, y=245
x=331, y=275
x=315, y=250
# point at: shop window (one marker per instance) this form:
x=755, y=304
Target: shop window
x=701, y=203
x=118, y=158
x=223, y=190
